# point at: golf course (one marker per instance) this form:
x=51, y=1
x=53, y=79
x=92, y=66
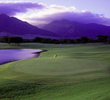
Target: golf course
x=77, y=72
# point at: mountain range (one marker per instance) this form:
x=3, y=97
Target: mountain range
x=11, y=26
x=72, y=29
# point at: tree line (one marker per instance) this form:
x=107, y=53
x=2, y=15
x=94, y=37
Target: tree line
x=84, y=39
x=12, y=40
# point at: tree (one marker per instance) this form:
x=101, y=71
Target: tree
x=84, y=39
x=102, y=38
x=78, y=40
x=53, y=41
x=70, y=41
x=109, y=39
x=5, y=39
x=15, y=40
x=37, y=39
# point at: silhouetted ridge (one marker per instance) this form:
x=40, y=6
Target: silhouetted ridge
x=11, y=26
x=72, y=29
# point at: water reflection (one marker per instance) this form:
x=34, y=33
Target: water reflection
x=8, y=55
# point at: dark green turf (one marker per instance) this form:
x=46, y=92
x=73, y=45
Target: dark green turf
x=79, y=72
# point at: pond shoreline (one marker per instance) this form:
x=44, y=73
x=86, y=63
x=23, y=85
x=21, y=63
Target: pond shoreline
x=33, y=54
x=40, y=51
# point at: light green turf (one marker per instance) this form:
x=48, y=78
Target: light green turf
x=79, y=72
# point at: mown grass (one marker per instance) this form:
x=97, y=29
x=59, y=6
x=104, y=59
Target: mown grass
x=79, y=72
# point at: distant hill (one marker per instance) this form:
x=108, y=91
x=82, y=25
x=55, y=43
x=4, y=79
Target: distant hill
x=69, y=29
x=11, y=26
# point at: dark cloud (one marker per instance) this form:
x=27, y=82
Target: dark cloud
x=12, y=9
x=18, y=7
x=82, y=17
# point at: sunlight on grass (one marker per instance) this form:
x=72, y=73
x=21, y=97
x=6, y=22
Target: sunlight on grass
x=79, y=72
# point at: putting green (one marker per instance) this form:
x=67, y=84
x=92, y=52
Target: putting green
x=79, y=72
x=56, y=66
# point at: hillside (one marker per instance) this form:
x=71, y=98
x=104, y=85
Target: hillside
x=11, y=26
x=69, y=29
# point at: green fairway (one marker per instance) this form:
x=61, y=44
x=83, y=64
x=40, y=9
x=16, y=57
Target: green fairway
x=79, y=72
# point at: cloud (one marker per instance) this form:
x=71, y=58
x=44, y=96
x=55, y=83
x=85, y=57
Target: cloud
x=11, y=9
x=38, y=13
x=53, y=12
x=57, y=12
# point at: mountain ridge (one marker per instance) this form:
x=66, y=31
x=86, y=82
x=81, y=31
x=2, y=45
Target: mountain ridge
x=72, y=29
x=11, y=26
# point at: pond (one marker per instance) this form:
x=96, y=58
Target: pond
x=9, y=55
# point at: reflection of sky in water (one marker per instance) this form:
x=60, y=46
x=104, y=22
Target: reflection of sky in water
x=7, y=55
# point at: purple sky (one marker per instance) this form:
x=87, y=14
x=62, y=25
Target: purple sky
x=45, y=11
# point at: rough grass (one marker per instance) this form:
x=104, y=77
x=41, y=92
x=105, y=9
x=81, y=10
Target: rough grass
x=79, y=72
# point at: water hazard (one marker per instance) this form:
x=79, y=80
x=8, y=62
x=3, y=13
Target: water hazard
x=8, y=55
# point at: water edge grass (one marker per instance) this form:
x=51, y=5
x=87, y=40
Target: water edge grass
x=79, y=72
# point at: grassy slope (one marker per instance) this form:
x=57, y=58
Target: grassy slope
x=80, y=72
